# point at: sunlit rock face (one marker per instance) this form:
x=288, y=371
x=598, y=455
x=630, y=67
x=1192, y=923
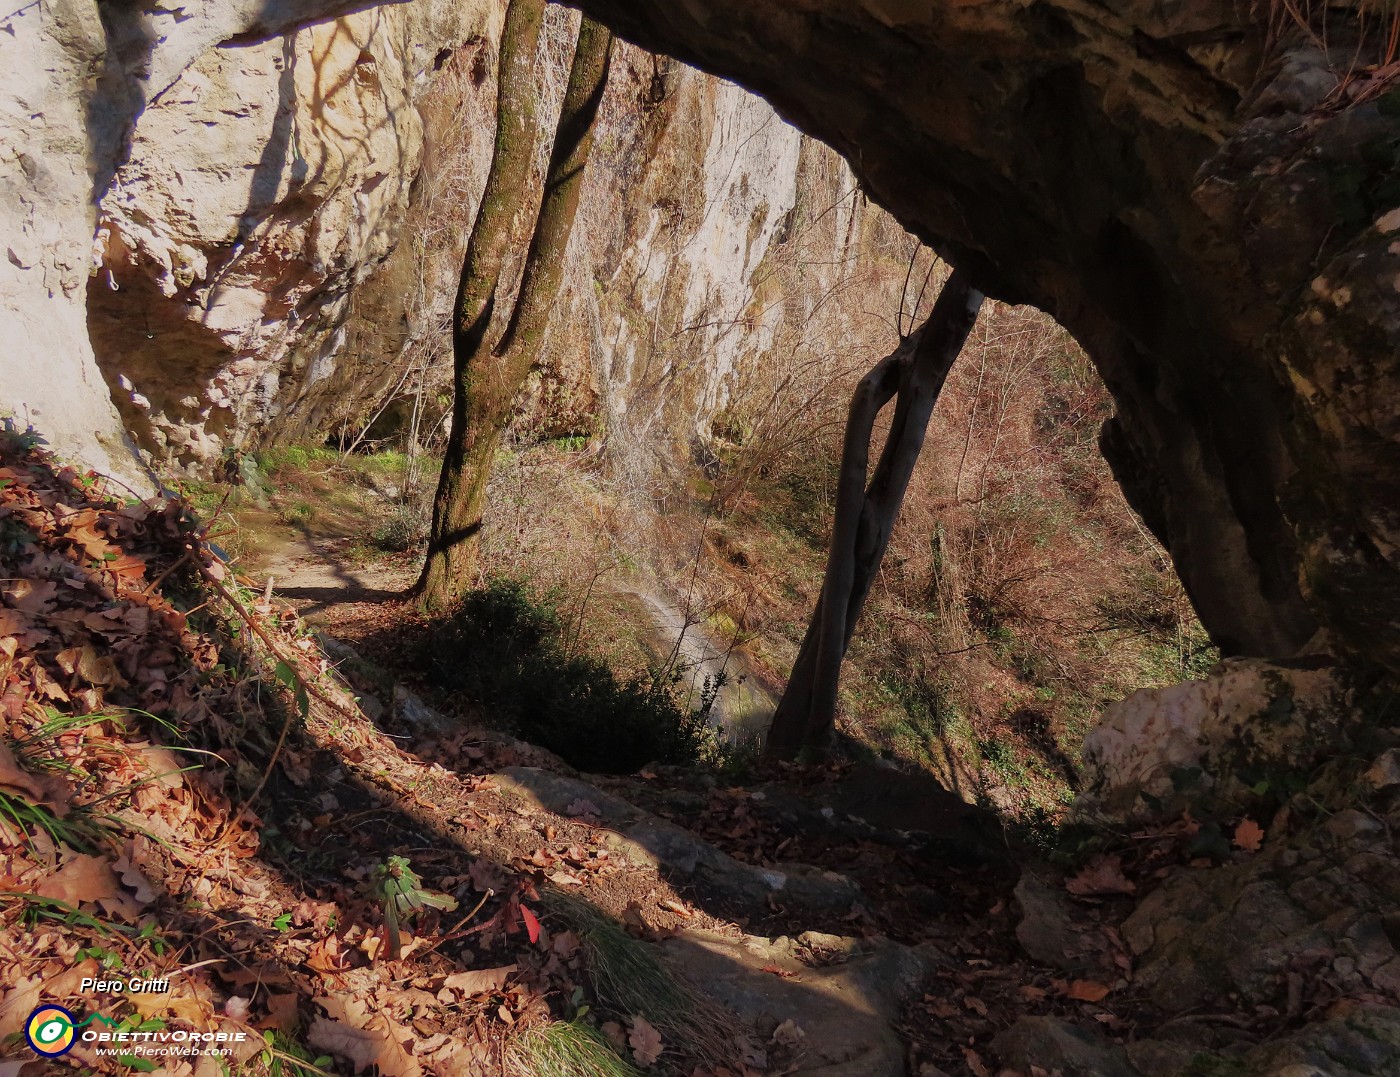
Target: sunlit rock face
x=258, y=189
x=1213, y=741
x=1193, y=206
x=280, y=247
x=80, y=80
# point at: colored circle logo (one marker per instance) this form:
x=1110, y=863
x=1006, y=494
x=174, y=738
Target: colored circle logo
x=50, y=1031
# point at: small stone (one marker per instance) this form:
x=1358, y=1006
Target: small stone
x=1352, y=824
x=1053, y=1045
x=414, y=712
x=1047, y=931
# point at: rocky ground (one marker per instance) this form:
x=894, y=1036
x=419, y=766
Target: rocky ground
x=846, y=920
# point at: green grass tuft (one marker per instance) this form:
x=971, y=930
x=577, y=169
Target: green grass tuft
x=565, y=1049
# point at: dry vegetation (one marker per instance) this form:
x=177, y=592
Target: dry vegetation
x=1019, y=597
x=1020, y=593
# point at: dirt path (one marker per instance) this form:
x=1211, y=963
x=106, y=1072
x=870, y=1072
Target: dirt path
x=320, y=567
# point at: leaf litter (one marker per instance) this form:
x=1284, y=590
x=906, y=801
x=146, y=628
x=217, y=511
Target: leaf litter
x=204, y=801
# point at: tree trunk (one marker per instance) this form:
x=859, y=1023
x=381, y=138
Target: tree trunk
x=487, y=380
x=913, y=375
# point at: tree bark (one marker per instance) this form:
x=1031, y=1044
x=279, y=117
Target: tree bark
x=913, y=375
x=487, y=380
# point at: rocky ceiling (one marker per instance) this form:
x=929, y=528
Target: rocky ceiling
x=1209, y=206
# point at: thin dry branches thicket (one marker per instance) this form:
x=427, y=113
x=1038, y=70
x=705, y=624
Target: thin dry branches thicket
x=1359, y=38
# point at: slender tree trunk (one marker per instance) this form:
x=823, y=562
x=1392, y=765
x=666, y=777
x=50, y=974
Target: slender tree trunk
x=487, y=380
x=913, y=376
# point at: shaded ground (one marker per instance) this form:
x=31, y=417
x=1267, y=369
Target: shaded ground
x=931, y=874
x=237, y=832
x=934, y=874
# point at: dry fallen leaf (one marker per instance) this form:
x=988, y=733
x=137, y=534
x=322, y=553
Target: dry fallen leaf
x=479, y=981
x=49, y=791
x=281, y=1011
x=86, y=663
x=395, y=1056
x=1249, y=835
x=645, y=1041
x=1087, y=990
x=131, y=875
x=975, y=1063
x=85, y=880
x=615, y=1035
x=327, y=955
x=356, y=1044
x=1102, y=875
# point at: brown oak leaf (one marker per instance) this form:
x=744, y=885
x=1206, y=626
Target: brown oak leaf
x=1102, y=875
x=645, y=1041
x=479, y=981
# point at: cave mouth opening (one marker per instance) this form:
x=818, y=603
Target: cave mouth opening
x=736, y=281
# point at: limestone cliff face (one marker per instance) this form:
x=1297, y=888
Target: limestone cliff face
x=278, y=246
x=78, y=79
x=260, y=188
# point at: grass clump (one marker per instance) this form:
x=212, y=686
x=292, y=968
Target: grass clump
x=404, y=529
x=625, y=976
x=505, y=649
x=627, y=979
x=565, y=1049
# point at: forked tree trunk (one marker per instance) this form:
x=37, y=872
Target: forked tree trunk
x=487, y=379
x=913, y=375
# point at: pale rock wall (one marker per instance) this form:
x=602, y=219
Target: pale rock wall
x=76, y=80
x=262, y=186
x=681, y=280
x=46, y=224
x=275, y=238
x=717, y=232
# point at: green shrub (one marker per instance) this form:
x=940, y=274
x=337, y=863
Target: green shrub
x=502, y=648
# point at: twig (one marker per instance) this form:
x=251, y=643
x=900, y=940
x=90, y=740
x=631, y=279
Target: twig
x=310, y=687
x=452, y=933
x=157, y=581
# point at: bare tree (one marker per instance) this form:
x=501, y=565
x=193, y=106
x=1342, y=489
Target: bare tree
x=488, y=379
x=912, y=375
